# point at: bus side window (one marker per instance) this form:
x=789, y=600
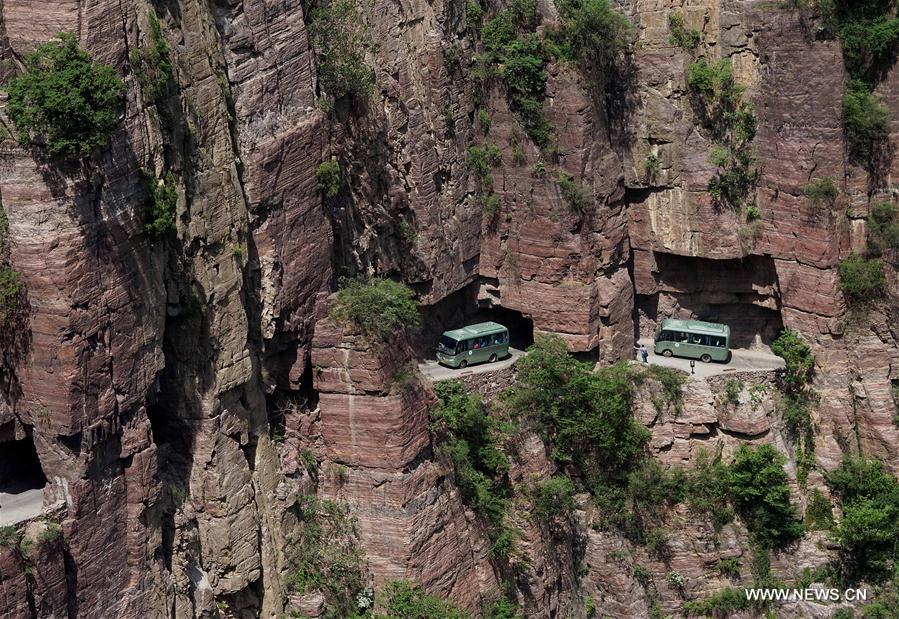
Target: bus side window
x=667, y=336
x=464, y=345
x=683, y=337
x=702, y=340
x=499, y=338
x=718, y=342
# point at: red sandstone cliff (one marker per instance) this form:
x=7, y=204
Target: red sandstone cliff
x=152, y=370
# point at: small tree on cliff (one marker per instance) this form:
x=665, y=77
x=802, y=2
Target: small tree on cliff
x=376, y=307
x=64, y=100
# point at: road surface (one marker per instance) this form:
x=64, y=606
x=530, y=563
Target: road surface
x=436, y=372
x=22, y=506
x=742, y=360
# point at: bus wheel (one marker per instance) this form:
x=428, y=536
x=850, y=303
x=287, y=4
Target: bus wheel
x=667, y=352
x=463, y=364
x=492, y=358
x=705, y=359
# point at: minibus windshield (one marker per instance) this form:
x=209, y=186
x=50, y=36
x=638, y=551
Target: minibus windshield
x=447, y=345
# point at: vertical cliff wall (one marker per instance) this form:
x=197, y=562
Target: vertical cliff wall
x=147, y=371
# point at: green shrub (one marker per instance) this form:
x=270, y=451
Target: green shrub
x=732, y=390
x=866, y=123
x=162, y=205
x=321, y=555
x=761, y=495
x=818, y=512
x=685, y=38
x=518, y=57
x=376, y=307
x=752, y=213
x=64, y=100
x=484, y=120
x=501, y=608
x=821, y=192
x=328, y=176
x=473, y=442
x=729, y=567
x=651, y=166
x=8, y=537
x=868, y=31
x=672, y=382
x=340, y=38
x=867, y=533
x=482, y=159
x=474, y=13
x=584, y=415
x=406, y=600
x=713, y=82
x=721, y=604
x=152, y=63
x=883, y=228
x=862, y=280
x=798, y=359
x=554, y=499
x=12, y=293
x=593, y=31
x=576, y=197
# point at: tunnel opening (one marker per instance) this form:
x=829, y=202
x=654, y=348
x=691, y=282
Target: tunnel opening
x=20, y=467
x=463, y=308
x=741, y=293
x=22, y=481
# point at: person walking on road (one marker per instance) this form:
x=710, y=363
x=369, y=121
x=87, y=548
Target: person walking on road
x=644, y=354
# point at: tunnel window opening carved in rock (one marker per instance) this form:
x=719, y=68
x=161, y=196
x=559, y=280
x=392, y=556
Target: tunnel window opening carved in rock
x=743, y=294
x=22, y=480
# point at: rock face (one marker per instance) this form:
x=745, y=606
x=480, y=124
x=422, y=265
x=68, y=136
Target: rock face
x=379, y=460
x=149, y=376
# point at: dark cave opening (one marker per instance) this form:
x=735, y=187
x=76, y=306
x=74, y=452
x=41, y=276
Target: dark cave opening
x=741, y=293
x=20, y=467
x=463, y=308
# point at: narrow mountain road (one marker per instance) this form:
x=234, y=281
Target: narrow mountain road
x=742, y=360
x=21, y=506
x=436, y=372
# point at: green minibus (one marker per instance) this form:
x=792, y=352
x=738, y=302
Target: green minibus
x=693, y=339
x=485, y=341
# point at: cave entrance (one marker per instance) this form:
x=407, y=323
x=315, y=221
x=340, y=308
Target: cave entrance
x=22, y=481
x=463, y=308
x=741, y=293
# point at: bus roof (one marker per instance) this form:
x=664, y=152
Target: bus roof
x=482, y=328
x=696, y=326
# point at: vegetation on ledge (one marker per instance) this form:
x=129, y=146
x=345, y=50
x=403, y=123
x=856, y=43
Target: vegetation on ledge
x=64, y=101
x=376, y=307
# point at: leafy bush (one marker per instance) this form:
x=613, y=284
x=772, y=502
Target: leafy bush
x=721, y=604
x=554, y=499
x=761, y=496
x=729, y=567
x=707, y=489
x=65, y=100
x=593, y=31
x=340, y=38
x=672, y=382
x=328, y=176
x=12, y=293
x=732, y=389
x=8, y=537
x=321, y=555
x=685, y=38
x=819, y=512
x=752, y=213
x=473, y=442
x=376, y=307
x=821, y=192
x=406, y=600
x=866, y=123
x=640, y=504
x=585, y=416
x=162, y=206
x=152, y=64
x=861, y=280
x=869, y=497
x=868, y=32
x=519, y=58
x=713, y=82
x=651, y=166
x=883, y=228
x=483, y=158
x=798, y=360
x=576, y=197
